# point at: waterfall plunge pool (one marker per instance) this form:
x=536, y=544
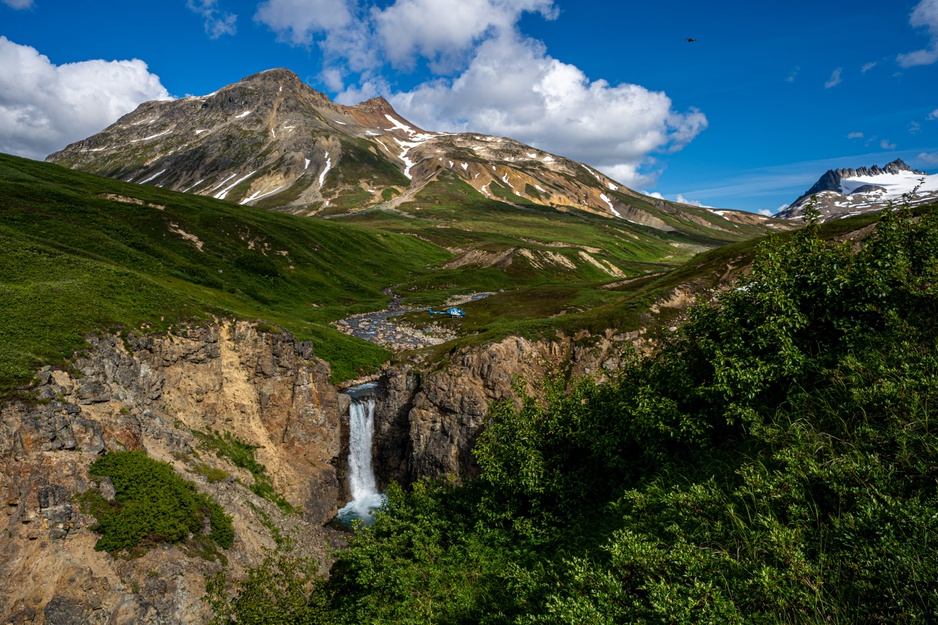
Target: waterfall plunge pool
x=365, y=496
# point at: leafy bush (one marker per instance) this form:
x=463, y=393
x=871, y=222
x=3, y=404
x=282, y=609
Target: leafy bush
x=275, y=593
x=775, y=462
x=152, y=504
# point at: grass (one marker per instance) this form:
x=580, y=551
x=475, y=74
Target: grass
x=620, y=306
x=75, y=262
x=84, y=254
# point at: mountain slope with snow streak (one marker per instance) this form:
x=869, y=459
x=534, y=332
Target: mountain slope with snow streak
x=272, y=141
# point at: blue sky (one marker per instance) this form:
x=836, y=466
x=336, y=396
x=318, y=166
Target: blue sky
x=748, y=116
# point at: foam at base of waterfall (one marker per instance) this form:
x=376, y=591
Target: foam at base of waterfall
x=362, y=508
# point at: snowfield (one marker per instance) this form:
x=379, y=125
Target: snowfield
x=896, y=185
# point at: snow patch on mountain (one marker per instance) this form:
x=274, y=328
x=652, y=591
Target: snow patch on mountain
x=260, y=195
x=221, y=194
x=895, y=185
x=222, y=182
x=322, y=176
x=605, y=199
x=845, y=192
x=159, y=134
x=154, y=176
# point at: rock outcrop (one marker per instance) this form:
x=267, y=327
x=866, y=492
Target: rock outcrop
x=427, y=422
x=163, y=394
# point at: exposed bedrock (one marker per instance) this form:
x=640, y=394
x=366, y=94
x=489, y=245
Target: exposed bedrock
x=162, y=394
x=427, y=422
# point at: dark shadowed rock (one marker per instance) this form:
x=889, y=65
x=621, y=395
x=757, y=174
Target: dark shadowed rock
x=62, y=611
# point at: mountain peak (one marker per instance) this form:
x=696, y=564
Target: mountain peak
x=278, y=80
x=848, y=191
x=271, y=140
x=375, y=105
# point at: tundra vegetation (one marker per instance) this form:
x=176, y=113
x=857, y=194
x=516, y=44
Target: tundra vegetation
x=774, y=462
x=81, y=254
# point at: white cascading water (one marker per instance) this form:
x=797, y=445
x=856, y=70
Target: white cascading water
x=365, y=496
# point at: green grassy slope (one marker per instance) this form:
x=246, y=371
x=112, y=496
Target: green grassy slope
x=451, y=213
x=543, y=310
x=82, y=253
x=75, y=260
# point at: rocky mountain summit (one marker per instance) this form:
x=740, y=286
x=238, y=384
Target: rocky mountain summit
x=272, y=141
x=845, y=192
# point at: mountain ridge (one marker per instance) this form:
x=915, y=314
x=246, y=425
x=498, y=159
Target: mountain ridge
x=844, y=192
x=272, y=141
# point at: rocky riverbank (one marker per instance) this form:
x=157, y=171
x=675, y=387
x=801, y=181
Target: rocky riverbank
x=387, y=329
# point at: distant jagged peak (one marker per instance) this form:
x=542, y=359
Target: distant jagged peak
x=832, y=180
x=894, y=167
x=845, y=192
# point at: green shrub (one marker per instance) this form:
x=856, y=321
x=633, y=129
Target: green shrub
x=212, y=474
x=275, y=593
x=152, y=504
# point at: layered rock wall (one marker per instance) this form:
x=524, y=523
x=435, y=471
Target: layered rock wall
x=162, y=394
x=427, y=422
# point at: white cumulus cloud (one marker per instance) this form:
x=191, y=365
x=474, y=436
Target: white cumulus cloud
x=924, y=15
x=835, y=79
x=855, y=135
x=299, y=21
x=886, y=145
x=683, y=200
x=439, y=29
x=933, y=115
x=43, y=106
x=487, y=77
x=513, y=88
x=929, y=157
x=19, y=4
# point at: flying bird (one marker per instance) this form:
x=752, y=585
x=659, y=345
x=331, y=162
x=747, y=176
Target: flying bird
x=691, y=39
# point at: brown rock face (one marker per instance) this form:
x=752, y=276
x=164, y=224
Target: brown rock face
x=160, y=393
x=427, y=422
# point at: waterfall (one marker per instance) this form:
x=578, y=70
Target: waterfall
x=365, y=495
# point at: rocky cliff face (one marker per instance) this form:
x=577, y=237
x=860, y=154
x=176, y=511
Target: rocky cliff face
x=159, y=393
x=427, y=422
x=165, y=393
